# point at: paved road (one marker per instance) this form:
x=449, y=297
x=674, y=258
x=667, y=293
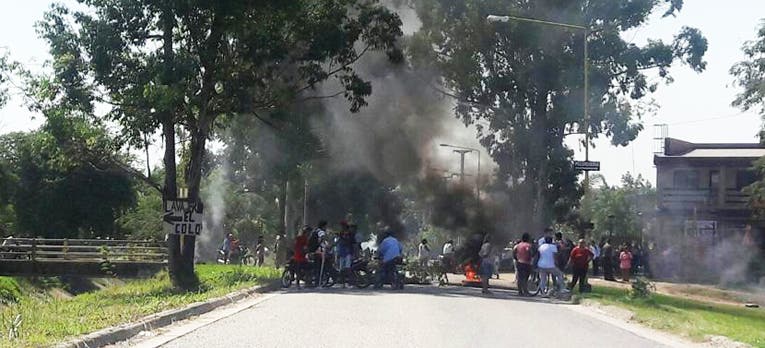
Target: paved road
x=416, y=317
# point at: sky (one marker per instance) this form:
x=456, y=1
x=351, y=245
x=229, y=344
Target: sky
x=696, y=107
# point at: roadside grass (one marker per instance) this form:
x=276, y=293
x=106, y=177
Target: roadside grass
x=38, y=319
x=688, y=318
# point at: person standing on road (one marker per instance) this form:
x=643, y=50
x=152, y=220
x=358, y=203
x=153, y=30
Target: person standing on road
x=301, y=246
x=625, y=263
x=546, y=265
x=260, y=251
x=316, y=245
x=448, y=252
x=345, y=247
x=607, y=257
x=225, y=248
x=390, y=255
x=423, y=252
x=522, y=255
x=487, y=264
x=595, y=249
x=279, y=250
x=548, y=233
x=579, y=259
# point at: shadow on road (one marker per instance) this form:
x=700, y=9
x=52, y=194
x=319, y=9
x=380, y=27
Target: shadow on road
x=428, y=290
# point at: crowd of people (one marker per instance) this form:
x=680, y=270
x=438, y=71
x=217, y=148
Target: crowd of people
x=551, y=255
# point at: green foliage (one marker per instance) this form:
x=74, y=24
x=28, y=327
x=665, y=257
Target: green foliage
x=59, y=172
x=144, y=220
x=41, y=320
x=750, y=77
x=642, y=288
x=201, y=64
x=620, y=209
x=10, y=292
x=689, y=318
x=522, y=83
x=750, y=74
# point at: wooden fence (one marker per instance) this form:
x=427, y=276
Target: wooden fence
x=87, y=257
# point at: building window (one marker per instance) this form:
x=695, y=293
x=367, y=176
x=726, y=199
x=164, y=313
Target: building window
x=745, y=178
x=686, y=179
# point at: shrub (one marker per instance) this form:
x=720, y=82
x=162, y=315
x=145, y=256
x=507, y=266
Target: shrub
x=642, y=288
x=10, y=292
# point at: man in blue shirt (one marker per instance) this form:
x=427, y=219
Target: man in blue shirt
x=390, y=255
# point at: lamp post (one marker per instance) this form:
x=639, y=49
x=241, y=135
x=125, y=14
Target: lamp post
x=586, y=32
x=460, y=149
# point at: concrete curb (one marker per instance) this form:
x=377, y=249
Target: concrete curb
x=154, y=321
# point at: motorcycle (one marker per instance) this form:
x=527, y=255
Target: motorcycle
x=241, y=255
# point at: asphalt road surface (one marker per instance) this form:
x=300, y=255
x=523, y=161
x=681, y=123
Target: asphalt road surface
x=414, y=317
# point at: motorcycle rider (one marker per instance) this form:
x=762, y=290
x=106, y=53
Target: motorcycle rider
x=225, y=247
x=390, y=256
x=345, y=246
x=301, y=246
x=317, y=244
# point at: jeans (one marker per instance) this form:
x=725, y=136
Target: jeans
x=523, y=272
x=580, y=275
x=386, y=271
x=543, y=272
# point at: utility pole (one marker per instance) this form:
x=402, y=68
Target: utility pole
x=462, y=164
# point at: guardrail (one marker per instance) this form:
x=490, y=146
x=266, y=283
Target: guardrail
x=33, y=256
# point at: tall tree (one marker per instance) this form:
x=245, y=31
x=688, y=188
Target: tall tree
x=163, y=64
x=78, y=194
x=620, y=210
x=750, y=77
x=521, y=82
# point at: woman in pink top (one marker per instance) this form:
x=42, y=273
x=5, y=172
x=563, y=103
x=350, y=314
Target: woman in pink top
x=625, y=263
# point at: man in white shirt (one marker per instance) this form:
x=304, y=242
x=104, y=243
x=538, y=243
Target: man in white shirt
x=546, y=266
x=548, y=233
x=423, y=252
x=448, y=252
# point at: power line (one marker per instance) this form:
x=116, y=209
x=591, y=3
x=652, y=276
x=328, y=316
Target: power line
x=739, y=114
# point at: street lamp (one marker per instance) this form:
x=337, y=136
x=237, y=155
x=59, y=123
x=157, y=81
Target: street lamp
x=460, y=149
x=586, y=33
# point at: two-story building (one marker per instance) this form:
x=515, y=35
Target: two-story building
x=699, y=188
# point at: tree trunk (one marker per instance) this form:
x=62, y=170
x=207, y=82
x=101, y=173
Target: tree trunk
x=283, y=206
x=181, y=271
x=540, y=158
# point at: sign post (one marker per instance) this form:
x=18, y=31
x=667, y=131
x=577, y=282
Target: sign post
x=587, y=166
x=183, y=217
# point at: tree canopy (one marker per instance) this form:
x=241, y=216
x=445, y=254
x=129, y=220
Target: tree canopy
x=522, y=83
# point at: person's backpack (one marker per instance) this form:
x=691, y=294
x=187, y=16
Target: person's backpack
x=313, y=241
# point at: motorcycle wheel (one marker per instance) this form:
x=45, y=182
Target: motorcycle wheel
x=533, y=284
x=363, y=278
x=248, y=261
x=287, y=278
x=328, y=281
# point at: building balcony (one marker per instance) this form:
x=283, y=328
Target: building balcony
x=703, y=199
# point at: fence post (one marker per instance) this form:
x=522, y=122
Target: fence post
x=66, y=248
x=34, y=249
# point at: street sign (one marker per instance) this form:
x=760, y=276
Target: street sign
x=587, y=166
x=183, y=217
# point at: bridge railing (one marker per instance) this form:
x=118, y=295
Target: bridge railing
x=82, y=250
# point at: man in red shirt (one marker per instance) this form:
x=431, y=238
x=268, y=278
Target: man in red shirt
x=522, y=253
x=301, y=244
x=579, y=260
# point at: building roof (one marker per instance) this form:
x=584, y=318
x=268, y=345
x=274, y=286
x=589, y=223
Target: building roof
x=674, y=148
x=730, y=153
